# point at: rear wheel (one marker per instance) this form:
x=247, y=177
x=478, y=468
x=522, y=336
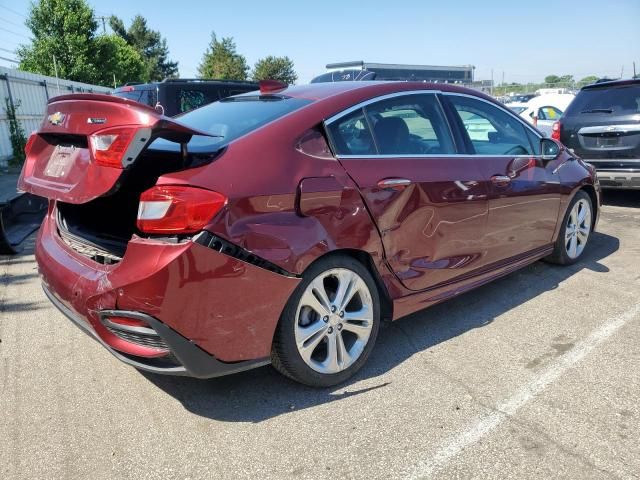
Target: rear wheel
x=576, y=231
x=329, y=325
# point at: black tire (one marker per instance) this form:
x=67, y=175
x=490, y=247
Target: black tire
x=560, y=254
x=285, y=355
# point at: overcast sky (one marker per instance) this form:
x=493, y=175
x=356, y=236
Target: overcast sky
x=525, y=40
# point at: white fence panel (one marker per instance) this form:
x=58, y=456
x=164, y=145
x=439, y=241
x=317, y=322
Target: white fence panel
x=31, y=91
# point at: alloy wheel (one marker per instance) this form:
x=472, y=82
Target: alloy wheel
x=334, y=320
x=578, y=228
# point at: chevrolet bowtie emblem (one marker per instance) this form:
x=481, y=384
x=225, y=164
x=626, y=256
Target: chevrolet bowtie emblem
x=56, y=118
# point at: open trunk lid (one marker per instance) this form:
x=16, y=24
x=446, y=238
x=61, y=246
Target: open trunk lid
x=86, y=141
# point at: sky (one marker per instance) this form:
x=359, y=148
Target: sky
x=524, y=41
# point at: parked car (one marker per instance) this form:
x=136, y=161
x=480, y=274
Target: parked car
x=602, y=125
x=544, y=110
x=283, y=226
x=174, y=96
x=520, y=97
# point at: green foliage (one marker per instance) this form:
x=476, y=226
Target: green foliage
x=150, y=45
x=275, y=68
x=119, y=59
x=589, y=80
x=551, y=79
x=67, y=29
x=221, y=61
x=16, y=133
x=64, y=29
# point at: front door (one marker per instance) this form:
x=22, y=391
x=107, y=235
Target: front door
x=524, y=191
x=429, y=203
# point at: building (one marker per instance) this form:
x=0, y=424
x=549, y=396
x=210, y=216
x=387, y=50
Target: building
x=361, y=70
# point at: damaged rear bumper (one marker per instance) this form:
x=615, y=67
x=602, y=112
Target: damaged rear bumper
x=213, y=314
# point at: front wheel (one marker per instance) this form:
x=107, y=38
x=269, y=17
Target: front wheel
x=575, y=232
x=329, y=325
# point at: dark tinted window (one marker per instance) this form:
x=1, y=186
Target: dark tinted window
x=192, y=99
x=231, y=118
x=616, y=100
x=410, y=124
x=492, y=131
x=351, y=135
x=146, y=96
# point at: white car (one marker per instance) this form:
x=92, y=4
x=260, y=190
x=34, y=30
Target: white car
x=547, y=108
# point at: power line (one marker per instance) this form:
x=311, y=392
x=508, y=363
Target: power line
x=7, y=50
x=12, y=60
x=13, y=11
x=12, y=23
x=14, y=33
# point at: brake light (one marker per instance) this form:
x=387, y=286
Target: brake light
x=269, y=86
x=171, y=209
x=555, y=131
x=109, y=146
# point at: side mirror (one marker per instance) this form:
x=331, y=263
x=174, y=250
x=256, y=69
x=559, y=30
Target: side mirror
x=550, y=149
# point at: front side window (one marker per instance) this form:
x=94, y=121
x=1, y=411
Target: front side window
x=491, y=130
x=410, y=125
x=351, y=135
x=549, y=113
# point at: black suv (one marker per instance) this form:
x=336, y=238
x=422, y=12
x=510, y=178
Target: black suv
x=602, y=125
x=179, y=95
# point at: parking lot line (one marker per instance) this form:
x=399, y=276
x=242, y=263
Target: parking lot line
x=486, y=424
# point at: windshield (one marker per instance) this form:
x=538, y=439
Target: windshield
x=619, y=100
x=232, y=118
x=518, y=109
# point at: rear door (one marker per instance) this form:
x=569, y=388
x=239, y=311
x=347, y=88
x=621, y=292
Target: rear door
x=430, y=204
x=86, y=141
x=524, y=191
x=602, y=125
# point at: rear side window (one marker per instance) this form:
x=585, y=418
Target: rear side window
x=549, y=113
x=617, y=100
x=351, y=135
x=491, y=130
x=410, y=125
x=146, y=96
x=191, y=99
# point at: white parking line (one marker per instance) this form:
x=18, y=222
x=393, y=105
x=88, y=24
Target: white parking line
x=486, y=424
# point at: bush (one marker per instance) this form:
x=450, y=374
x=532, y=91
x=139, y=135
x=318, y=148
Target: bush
x=16, y=133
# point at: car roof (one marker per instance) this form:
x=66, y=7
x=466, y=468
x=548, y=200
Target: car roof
x=612, y=83
x=320, y=91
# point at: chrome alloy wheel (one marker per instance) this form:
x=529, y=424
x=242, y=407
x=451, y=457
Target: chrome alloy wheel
x=578, y=228
x=334, y=320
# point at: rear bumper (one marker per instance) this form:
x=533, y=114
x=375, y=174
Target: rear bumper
x=192, y=361
x=217, y=314
x=619, y=179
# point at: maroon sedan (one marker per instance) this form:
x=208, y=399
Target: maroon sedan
x=283, y=226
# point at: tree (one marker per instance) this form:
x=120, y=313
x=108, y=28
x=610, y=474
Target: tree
x=16, y=132
x=588, y=80
x=149, y=44
x=275, y=68
x=64, y=29
x=551, y=79
x=566, y=79
x=120, y=61
x=221, y=61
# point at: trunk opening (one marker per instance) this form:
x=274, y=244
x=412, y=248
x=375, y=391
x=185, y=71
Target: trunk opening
x=101, y=228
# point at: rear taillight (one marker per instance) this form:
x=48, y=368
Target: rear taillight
x=27, y=147
x=555, y=131
x=109, y=146
x=168, y=209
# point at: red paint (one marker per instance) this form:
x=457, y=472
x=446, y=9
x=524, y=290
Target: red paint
x=289, y=201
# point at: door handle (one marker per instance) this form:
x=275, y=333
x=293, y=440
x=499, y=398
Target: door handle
x=394, y=183
x=501, y=180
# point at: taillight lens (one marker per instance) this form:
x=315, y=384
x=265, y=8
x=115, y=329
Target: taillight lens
x=109, y=146
x=555, y=131
x=171, y=209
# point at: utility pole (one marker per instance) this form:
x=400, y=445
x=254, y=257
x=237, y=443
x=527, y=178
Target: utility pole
x=104, y=27
x=634, y=69
x=502, y=84
x=492, y=82
x=55, y=69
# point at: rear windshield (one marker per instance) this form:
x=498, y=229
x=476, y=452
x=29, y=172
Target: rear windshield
x=518, y=109
x=615, y=100
x=234, y=117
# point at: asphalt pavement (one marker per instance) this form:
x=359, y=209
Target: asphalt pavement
x=536, y=375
